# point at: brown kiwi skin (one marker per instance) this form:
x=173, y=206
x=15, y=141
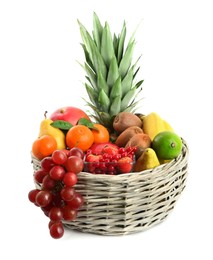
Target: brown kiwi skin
x=123, y=120
x=141, y=141
x=127, y=134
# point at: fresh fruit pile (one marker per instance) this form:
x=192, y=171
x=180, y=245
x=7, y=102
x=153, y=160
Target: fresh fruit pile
x=113, y=139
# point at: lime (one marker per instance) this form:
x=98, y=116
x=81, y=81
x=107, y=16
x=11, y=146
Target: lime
x=167, y=145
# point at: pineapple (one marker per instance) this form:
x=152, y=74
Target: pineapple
x=110, y=74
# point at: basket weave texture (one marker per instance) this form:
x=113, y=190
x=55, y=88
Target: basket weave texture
x=128, y=203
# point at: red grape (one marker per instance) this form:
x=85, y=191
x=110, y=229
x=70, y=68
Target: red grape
x=47, y=208
x=43, y=198
x=56, y=214
x=48, y=183
x=70, y=179
x=39, y=175
x=69, y=214
x=57, y=172
x=75, y=151
x=57, y=230
x=76, y=202
x=32, y=195
x=67, y=193
x=47, y=163
x=59, y=157
x=51, y=222
x=74, y=164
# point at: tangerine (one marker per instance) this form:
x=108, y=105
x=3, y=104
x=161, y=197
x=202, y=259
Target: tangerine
x=100, y=133
x=79, y=136
x=44, y=146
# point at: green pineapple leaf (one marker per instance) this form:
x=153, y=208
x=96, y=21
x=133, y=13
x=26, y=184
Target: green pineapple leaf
x=107, y=49
x=115, y=107
x=91, y=93
x=94, y=54
x=87, y=57
x=127, y=82
x=121, y=41
x=116, y=89
x=91, y=77
x=103, y=100
x=98, y=29
x=126, y=60
x=101, y=83
x=113, y=73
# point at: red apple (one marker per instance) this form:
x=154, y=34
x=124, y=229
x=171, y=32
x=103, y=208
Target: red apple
x=69, y=114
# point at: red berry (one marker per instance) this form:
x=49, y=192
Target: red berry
x=76, y=202
x=69, y=214
x=32, y=195
x=67, y=193
x=39, y=175
x=59, y=157
x=56, y=214
x=74, y=164
x=56, y=230
x=47, y=208
x=110, y=150
x=43, y=198
x=47, y=163
x=124, y=165
x=70, y=179
x=57, y=172
x=51, y=222
x=75, y=151
x=48, y=183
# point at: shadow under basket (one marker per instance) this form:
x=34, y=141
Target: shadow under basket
x=128, y=203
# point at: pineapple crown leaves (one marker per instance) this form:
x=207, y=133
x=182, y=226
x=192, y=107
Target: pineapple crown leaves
x=109, y=71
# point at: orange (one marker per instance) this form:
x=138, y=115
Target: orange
x=44, y=146
x=79, y=136
x=101, y=135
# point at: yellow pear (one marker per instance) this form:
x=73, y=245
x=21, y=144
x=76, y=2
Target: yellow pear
x=47, y=129
x=147, y=160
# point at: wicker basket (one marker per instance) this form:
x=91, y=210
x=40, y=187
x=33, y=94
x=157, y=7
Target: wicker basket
x=129, y=203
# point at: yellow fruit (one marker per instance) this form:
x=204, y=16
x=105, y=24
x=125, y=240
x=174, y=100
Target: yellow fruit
x=47, y=129
x=162, y=161
x=148, y=160
x=153, y=124
x=167, y=126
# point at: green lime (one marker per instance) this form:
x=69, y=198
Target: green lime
x=167, y=145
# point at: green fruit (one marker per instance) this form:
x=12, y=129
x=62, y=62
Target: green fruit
x=167, y=145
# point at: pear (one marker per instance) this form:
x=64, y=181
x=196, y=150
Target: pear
x=47, y=129
x=147, y=160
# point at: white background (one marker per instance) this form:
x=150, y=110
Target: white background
x=39, y=50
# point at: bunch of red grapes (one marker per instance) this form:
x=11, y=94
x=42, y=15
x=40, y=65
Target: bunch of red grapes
x=55, y=193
